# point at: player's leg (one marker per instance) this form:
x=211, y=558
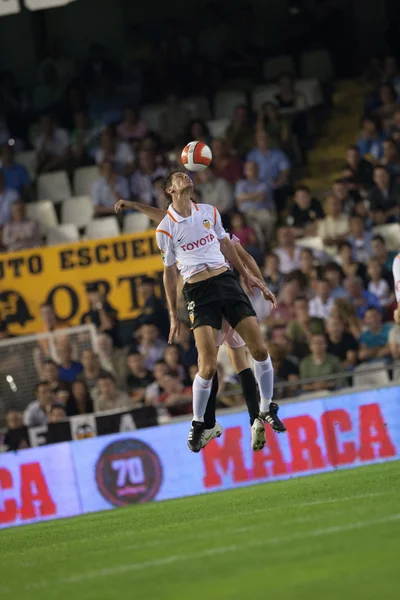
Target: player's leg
x=249, y=329
x=212, y=428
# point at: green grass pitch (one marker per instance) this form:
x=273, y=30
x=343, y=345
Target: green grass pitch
x=328, y=537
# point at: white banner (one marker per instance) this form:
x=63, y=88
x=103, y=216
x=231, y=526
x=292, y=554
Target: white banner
x=40, y=4
x=9, y=7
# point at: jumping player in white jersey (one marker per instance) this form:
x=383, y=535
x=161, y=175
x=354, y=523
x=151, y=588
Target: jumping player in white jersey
x=263, y=367
x=396, y=277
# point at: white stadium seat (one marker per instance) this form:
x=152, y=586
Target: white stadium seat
x=63, y=234
x=391, y=235
x=28, y=159
x=310, y=88
x=225, y=101
x=198, y=107
x=151, y=115
x=318, y=64
x=102, y=228
x=44, y=213
x=54, y=186
x=218, y=127
x=135, y=223
x=274, y=67
x=83, y=179
x=77, y=210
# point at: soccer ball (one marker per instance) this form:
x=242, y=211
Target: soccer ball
x=196, y=156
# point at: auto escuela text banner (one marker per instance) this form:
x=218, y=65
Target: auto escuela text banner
x=60, y=275
x=102, y=473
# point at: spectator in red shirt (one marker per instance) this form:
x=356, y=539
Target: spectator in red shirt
x=224, y=164
x=176, y=397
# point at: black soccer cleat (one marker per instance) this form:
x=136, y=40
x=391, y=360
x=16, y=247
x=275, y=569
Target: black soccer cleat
x=195, y=437
x=271, y=417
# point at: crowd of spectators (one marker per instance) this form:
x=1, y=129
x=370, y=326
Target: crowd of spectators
x=335, y=303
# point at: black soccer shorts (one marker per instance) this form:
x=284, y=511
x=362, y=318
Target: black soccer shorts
x=221, y=296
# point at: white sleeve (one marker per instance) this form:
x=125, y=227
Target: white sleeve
x=218, y=227
x=396, y=277
x=164, y=242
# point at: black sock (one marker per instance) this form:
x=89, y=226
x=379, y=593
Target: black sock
x=209, y=415
x=250, y=393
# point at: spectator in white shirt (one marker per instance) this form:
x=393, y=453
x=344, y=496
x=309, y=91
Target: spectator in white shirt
x=377, y=284
x=37, y=411
x=143, y=178
x=334, y=227
x=20, y=233
x=52, y=147
x=7, y=199
x=108, y=189
x=215, y=191
x=254, y=198
x=151, y=345
x=321, y=305
x=119, y=152
x=287, y=251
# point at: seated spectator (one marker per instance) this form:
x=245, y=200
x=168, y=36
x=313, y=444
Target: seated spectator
x=321, y=305
x=361, y=299
x=143, y=178
x=36, y=412
x=49, y=318
x=253, y=198
x=155, y=389
x=391, y=157
x=240, y=132
x=357, y=168
x=153, y=309
x=84, y=138
x=112, y=359
x=346, y=194
x=172, y=359
x=287, y=251
x=380, y=251
x=245, y=234
x=91, y=369
x=377, y=283
x=63, y=394
x=370, y=142
x=334, y=227
x=138, y=378
x=284, y=310
x=384, y=197
x=307, y=263
x=188, y=350
x=395, y=126
x=269, y=119
x=101, y=314
x=107, y=189
x=344, y=310
x=16, y=176
x=224, y=164
x=284, y=371
x=176, y=398
x=305, y=212
x=334, y=275
x=303, y=326
x=341, y=343
x=216, y=189
x=151, y=345
x=49, y=373
x=174, y=119
x=52, y=147
x=58, y=413
x=20, y=233
x=360, y=240
x=7, y=199
x=132, y=127
x=347, y=263
x=115, y=151
x=271, y=272
x=81, y=402
x=109, y=397
x=391, y=72
x=374, y=341
x=388, y=104
x=16, y=436
x=289, y=99
x=319, y=364
x=68, y=369
x=198, y=130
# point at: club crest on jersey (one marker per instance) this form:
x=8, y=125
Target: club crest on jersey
x=191, y=307
x=206, y=223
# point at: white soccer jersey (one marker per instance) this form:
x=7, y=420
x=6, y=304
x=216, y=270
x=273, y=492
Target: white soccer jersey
x=396, y=277
x=192, y=242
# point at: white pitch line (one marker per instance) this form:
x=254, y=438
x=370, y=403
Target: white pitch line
x=160, y=562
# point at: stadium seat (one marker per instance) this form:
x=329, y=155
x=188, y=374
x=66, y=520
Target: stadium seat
x=362, y=375
x=83, y=179
x=151, y=115
x=78, y=211
x=44, y=213
x=263, y=93
x=63, y=234
x=54, y=186
x=218, y=127
x=28, y=159
x=391, y=235
x=225, y=101
x=274, y=67
x=198, y=107
x=318, y=64
x=102, y=228
x=311, y=242
x=135, y=223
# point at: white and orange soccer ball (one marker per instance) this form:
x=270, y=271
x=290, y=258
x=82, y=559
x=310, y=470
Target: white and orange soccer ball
x=196, y=156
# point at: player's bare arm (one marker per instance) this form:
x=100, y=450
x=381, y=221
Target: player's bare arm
x=154, y=214
x=250, y=281
x=170, y=279
x=253, y=267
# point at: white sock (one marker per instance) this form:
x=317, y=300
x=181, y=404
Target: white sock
x=264, y=374
x=201, y=393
